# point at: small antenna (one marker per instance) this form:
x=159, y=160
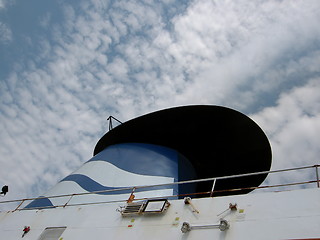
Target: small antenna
x=110, y=121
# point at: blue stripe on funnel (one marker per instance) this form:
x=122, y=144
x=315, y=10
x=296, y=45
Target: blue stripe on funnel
x=92, y=186
x=142, y=159
x=40, y=203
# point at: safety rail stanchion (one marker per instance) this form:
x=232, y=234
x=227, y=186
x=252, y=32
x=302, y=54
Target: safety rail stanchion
x=22, y=201
x=213, y=185
x=132, y=196
x=317, y=174
x=68, y=200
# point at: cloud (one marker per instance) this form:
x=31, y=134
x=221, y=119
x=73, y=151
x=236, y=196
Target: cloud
x=5, y=34
x=3, y=4
x=293, y=122
x=128, y=58
x=240, y=51
x=292, y=127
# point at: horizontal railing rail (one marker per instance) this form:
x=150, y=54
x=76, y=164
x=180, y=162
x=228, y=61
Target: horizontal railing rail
x=20, y=202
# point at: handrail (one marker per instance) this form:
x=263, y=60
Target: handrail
x=214, y=179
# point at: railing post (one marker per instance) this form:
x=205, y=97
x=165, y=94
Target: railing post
x=22, y=201
x=68, y=201
x=132, y=196
x=213, y=185
x=317, y=174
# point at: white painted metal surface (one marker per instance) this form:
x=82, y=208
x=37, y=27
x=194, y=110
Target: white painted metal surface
x=273, y=215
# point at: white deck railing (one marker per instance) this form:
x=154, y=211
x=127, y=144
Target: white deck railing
x=22, y=202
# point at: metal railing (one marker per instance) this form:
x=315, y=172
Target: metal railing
x=210, y=193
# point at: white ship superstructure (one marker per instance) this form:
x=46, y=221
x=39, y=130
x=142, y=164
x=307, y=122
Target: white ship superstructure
x=165, y=176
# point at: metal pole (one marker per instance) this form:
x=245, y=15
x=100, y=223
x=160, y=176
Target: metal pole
x=19, y=205
x=68, y=200
x=317, y=174
x=223, y=226
x=213, y=185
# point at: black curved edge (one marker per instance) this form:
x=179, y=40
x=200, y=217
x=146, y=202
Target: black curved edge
x=218, y=141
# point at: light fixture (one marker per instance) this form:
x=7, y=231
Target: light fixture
x=155, y=205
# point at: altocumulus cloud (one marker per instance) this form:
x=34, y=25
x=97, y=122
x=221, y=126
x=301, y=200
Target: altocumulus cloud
x=293, y=125
x=127, y=58
x=5, y=31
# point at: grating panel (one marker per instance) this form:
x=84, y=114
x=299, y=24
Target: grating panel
x=133, y=208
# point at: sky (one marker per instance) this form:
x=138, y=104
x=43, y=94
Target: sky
x=67, y=65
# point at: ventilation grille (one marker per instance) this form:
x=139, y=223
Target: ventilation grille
x=133, y=208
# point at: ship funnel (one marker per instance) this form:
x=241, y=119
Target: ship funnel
x=167, y=146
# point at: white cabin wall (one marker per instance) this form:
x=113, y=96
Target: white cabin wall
x=274, y=215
